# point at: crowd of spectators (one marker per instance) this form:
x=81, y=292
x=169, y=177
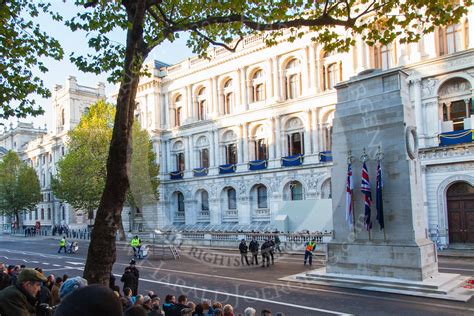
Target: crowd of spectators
x=25, y=291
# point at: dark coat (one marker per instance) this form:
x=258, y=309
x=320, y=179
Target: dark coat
x=129, y=280
x=14, y=301
x=243, y=247
x=266, y=248
x=253, y=246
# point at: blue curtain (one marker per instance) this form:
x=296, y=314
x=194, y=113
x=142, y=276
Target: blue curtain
x=258, y=165
x=228, y=168
x=456, y=137
x=325, y=156
x=291, y=161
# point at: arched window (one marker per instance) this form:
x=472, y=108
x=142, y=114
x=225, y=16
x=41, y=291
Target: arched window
x=201, y=105
x=63, y=210
x=42, y=213
x=180, y=198
x=228, y=97
x=262, y=201
x=180, y=162
x=204, y=201
x=49, y=213
x=333, y=75
x=292, y=79
x=258, y=86
x=204, y=157
x=231, y=153
x=455, y=104
x=178, y=110
x=296, y=191
x=231, y=199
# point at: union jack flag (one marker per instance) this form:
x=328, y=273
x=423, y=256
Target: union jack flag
x=365, y=188
x=349, y=203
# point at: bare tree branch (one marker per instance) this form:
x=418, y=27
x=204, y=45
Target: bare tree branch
x=216, y=43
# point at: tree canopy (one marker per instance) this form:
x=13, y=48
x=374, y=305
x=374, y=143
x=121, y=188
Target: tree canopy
x=22, y=47
x=82, y=171
x=19, y=186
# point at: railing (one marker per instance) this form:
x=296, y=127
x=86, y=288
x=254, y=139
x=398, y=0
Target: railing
x=456, y=137
x=231, y=213
x=204, y=214
x=193, y=235
x=262, y=212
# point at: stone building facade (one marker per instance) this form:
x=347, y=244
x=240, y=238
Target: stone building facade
x=42, y=150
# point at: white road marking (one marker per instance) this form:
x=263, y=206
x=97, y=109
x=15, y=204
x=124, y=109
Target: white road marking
x=46, y=263
x=75, y=263
x=56, y=265
x=34, y=261
x=246, y=297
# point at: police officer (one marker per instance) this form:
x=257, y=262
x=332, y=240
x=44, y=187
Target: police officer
x=243, y=252
x=253, y=247
x=136, y=244
x=266, y=253
x=62, y=244
x=310, y=246
x=271, y=250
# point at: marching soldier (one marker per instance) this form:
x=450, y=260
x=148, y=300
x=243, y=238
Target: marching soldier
x=253, y=247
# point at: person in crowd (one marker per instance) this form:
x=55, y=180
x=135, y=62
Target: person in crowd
x=277, y=243
x=71, y=285
x=169, y=303
x=45, y=295
x=206, y=306
x=139, y=299
x=19, y=299
x=243, y=252
x=55, y=291
x=136, y=310
x=217, y=305
x=155, y=307
x=266, y=312
x=62, y=244
x=5, y=279
x=228, y=310
x=129, y=281
x=310, y=246
x=198, y=310
x=14, y=273
x=179, y=306
x=217, y=312
x=92, y=300
x=65, y=277
x=253, y=247
x=127, y=292
x=271, y=251
x=265, y=253
x=50, y=281
x=136, y=273
x=250, y=311
x=191, y=305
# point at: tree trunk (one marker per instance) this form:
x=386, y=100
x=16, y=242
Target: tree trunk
x=102, y=249
x=121, y=231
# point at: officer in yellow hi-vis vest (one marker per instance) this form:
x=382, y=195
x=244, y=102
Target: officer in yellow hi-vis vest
x=136, y=245
x=310, y=246
x=62, y=244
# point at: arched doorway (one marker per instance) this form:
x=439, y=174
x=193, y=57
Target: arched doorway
x=460, y=198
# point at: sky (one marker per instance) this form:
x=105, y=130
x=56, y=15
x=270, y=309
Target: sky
x=59, y=71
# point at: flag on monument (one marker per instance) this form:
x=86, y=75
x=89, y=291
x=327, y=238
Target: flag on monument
x=349, y=190
x=365, y=188
x=379, y=202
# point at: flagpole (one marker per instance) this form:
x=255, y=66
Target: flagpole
x=380, y=157
x=350, y=158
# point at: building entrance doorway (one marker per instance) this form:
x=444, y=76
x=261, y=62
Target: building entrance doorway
x=460, y=198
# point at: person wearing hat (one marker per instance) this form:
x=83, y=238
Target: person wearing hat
x=243, y=252
x=19, y=299
x=136, y=273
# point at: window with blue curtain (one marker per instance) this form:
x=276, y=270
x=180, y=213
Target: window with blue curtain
x=231, y=199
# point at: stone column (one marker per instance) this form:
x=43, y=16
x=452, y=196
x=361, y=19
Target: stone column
x=188, y=106
x=307, y=132
x=243, y=87
x=217, y=98
x=168, y=156
x=215, y=211
x=278, y=138
x=314, y=130
x=272, y=139
x=431, y=120
x=470, y=22
x=163, y=158
x=244, y=211
x=276, y=79
x=211, y=149
x=270, y=85
x=416, y=82
x=187, y=154
x=246, y=143
x=216, y=147
x=361, y=60
x=211, y=98
x=429, y=45
x=305, y=67
x=166, y=107
x=312, y=69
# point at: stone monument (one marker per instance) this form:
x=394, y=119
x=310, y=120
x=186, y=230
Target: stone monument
x=374, y=115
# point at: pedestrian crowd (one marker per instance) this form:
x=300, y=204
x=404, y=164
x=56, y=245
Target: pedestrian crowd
x=26, y=292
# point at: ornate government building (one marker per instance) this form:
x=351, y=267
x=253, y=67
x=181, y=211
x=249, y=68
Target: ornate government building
x=244, y=139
